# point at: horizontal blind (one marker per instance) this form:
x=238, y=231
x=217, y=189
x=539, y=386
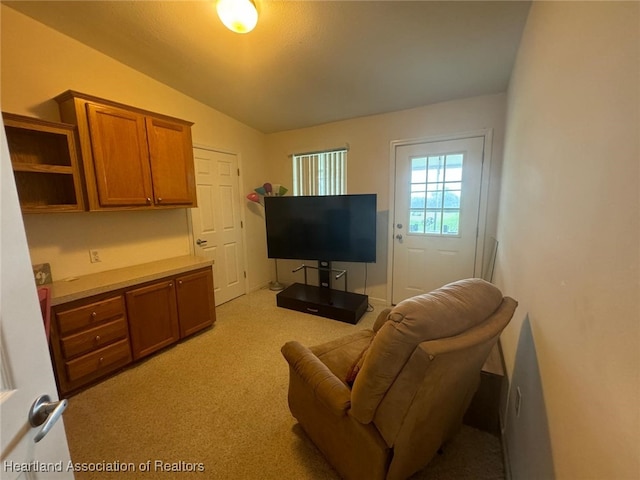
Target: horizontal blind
x=320, y=173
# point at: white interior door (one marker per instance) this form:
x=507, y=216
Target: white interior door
x=216, y=223
x=436, y=210
x=25, y=366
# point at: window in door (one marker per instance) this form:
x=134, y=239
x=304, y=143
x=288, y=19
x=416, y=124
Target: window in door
x=436, y=190
x=320, y=173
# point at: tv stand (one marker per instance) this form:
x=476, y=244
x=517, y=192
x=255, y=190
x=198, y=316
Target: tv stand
x=325, y=302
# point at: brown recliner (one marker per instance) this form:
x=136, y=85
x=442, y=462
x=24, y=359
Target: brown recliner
x=380, y=403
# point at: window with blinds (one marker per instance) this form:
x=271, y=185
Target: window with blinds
x=320, y=173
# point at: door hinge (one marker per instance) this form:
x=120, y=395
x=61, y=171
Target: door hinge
x=245, y=274
x=241, y=224
x=238, y=172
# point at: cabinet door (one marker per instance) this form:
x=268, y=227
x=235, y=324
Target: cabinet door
x=196, y=308
x=120, y=156
x=153, y=317
x=172, y=169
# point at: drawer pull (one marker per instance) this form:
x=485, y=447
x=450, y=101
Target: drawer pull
x=94, y=315
x=100, y=360
x=97, y=338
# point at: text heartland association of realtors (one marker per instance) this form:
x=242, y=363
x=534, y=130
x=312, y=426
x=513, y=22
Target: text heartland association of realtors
x=115, y=466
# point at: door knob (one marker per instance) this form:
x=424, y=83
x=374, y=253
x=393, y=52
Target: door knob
x=399, y=236
x=399, y=225
x=45, y=411
x=201, y=242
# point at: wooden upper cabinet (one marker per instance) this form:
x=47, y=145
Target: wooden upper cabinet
x=171, y=157
x=132, y=158
x=120, y=156
x=44, y=157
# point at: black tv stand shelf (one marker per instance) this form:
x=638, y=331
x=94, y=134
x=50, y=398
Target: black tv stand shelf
x=325, y=302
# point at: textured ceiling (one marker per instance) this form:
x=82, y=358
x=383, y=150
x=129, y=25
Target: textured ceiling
x=306, y=63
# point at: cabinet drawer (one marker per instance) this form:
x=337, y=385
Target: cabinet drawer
x=93, y=338
x=102, y=361
x=90, y=315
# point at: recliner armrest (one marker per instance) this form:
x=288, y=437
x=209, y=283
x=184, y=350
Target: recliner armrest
x=328, y=388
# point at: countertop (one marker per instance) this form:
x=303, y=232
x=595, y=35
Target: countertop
x=76, y=288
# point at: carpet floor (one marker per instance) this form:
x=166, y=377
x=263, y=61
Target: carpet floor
x=215, y=406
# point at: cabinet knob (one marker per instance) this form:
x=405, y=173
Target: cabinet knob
x=159, y=199
x=179, y=282
x=149, y=200
x=94, y=315
x=97, y=338
x=100, y=360
x=171, y=284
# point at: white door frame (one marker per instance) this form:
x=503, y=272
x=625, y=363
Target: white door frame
x=241, y=210
x=487, y=133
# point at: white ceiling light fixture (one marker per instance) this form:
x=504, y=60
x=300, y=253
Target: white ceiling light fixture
x=240, y=16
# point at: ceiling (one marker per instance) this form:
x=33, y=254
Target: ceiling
x=307, y=62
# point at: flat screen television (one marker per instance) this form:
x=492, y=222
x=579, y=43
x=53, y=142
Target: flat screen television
x=324, y=228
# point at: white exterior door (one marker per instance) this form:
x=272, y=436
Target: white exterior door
x=25, y=366
x=436, y=210
x=216, y=223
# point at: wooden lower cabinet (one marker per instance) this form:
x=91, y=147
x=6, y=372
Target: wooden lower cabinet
x=94, y=337
x=153, y=318
x=163, y=312
x=194, y=294
x=89, y=340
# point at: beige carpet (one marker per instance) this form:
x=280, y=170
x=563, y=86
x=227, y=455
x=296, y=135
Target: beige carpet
x=218, y=402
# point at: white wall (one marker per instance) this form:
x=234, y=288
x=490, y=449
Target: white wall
x=569, y=229
x=368, y=164
x=39, y=63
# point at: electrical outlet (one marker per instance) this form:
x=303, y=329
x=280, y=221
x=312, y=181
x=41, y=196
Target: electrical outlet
x=94, y=256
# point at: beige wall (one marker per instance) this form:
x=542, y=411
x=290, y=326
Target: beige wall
x=39, y=63
x=58, y=63
x=569, y=229
x=368, y=164
x=568, y=223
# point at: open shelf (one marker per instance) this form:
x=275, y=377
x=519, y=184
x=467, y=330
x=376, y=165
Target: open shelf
x=38, y=192
x=45, y=164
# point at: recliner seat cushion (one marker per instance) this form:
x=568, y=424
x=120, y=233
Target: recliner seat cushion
x=445, y=312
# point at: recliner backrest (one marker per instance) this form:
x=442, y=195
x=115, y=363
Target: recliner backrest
x=437, y=383
x=443, y=313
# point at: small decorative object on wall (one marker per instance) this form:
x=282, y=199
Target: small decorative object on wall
x=265, y=190
x=254, y=197
x=42, y=273
x=269, y=190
